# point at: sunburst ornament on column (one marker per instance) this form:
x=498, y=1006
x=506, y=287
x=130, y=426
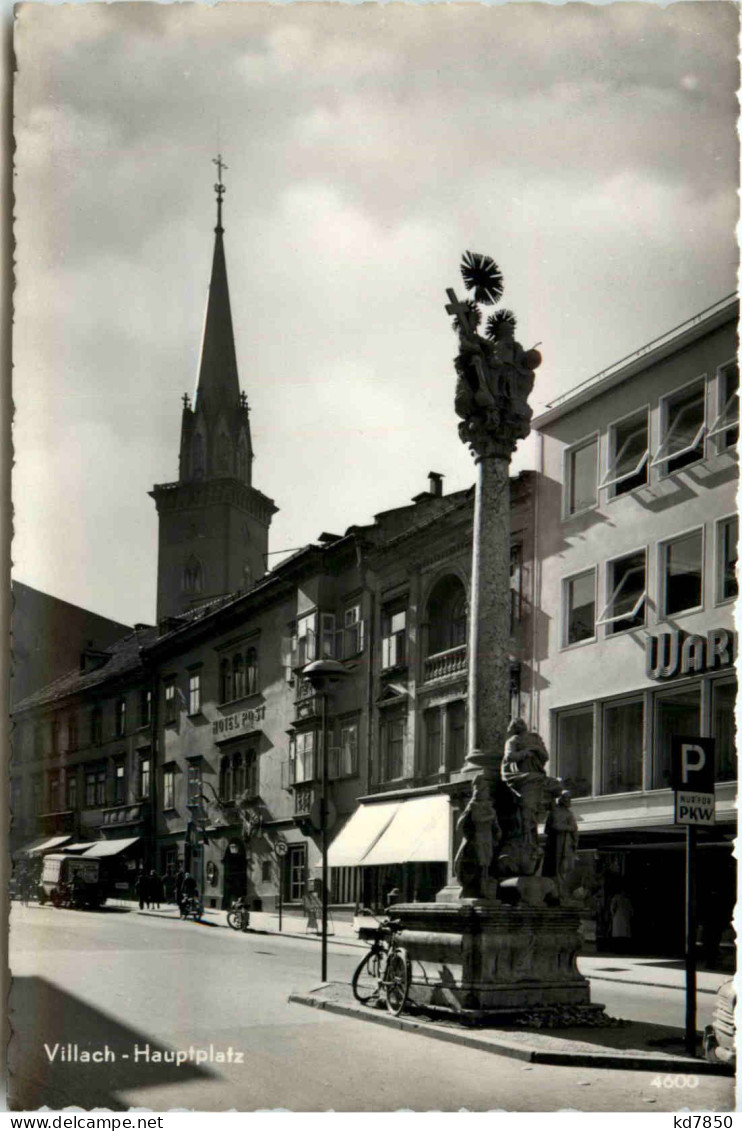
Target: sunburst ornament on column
x=497, y=321
x=482, y=275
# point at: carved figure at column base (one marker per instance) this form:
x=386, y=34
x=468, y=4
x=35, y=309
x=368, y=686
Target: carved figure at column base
x=480, y=832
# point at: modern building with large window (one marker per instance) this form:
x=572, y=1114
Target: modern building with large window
x=636, y=550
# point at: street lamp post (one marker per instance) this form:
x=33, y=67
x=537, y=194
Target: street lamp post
x=323, y=675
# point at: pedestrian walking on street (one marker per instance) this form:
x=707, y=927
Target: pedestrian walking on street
x=155, y=889
x=180, y=877
x=141, y=887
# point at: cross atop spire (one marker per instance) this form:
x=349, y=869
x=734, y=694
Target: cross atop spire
x=219, y=189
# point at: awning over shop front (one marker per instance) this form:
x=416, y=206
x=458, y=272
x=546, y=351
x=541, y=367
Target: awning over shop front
x=111, y=847
x=360, y=834
x=394, y=832
x=35, y=848
x=79, y=847
x=418, y=832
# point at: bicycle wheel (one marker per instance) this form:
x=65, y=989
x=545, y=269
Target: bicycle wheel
x=396, y=981
x=367, y=976
x=234, y=919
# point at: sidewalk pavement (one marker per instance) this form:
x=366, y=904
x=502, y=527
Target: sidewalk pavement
x=668, y=973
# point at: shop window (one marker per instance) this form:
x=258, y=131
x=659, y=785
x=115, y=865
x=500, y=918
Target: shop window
x=143, y=776
x=296, y=868
x=675, y=712
x=168, y=787
x=301, y=758
x=194, y=693
x=579, y=608
x=683, y=573
x=95, y=788
x=145, y=707
x=72, y=790
x=119, y=784
x=392, y=748
x=170, y=707
x=394, y=636
x=120, y=717
x=575, y=750
x=725, y=428
x=456, y=734
x=446, y=616
x=627, y=587
x=581, y=477
x=628, y=454
x=683, y=428
x=723, y=698
x=433, y=733
x=727, y=533
x=55, y=797
x=623, y=746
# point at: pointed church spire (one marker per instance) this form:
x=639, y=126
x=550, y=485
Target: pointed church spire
x=218, y=382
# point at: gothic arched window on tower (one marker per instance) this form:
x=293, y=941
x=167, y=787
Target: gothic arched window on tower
x=242, y=460
x=197, y=456
x=193, y=580
x=223, y=455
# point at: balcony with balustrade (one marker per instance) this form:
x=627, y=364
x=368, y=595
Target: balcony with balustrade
x=450, y=662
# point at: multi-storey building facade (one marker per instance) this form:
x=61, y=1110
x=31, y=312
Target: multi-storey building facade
x=198, y=742
x=637, y=548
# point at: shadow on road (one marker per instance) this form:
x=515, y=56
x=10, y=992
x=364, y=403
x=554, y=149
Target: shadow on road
x=49, y=1025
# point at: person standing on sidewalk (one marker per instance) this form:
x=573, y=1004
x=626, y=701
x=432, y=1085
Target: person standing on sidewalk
x=141, y=887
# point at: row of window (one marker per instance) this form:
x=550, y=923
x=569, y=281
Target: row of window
x=686, y=433
x=623, y=745
x=443, y=746
x=101, y=787
x=58, y=734
x=194, y=784
x=680, y=585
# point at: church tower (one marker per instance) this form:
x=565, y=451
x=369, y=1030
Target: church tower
x=213, y=524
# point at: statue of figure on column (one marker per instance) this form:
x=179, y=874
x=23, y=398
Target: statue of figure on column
x=523, y=771
x=561, y=840
x=480, y=833
x=495, y=374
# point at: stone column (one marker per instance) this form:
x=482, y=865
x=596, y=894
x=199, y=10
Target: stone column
x=489, y=619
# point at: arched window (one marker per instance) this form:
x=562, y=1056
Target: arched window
x=238, y=773
x=238, y=676
x=446, y=615
x=252, y=670
x=225, y=680
x=251, y=773
x=197, y=456
x=193, y=580
x=225, y=779
x=223, y=455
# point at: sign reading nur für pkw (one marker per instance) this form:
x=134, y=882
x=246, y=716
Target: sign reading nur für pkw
x=693, y=779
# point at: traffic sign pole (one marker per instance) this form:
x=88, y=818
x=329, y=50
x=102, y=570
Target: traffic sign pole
x=690, y=940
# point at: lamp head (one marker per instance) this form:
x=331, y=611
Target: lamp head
x=324, y=674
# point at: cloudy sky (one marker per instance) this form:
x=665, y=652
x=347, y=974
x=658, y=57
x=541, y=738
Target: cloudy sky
x=590, y=150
